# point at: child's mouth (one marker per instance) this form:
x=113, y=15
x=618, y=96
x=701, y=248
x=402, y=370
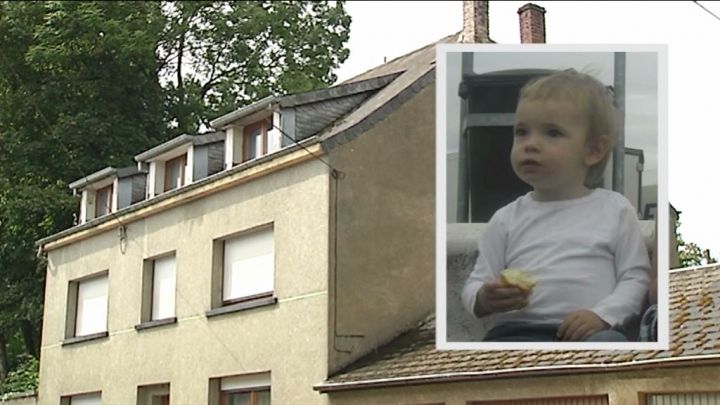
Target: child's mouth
x=530, y=163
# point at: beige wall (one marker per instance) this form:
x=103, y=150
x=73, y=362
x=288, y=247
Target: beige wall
x=288, y=339
x=623, y=388
x=386, y=229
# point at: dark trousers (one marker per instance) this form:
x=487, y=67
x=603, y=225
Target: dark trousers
x=542, y=332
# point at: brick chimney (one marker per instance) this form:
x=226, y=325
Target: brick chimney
x=532, y=24
x=476, y=22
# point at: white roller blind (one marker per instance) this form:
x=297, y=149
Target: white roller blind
x=684, y=399
x=242, y=382
x=89, y=399
x=249, y=265
x=163, y=301
x=91, y=306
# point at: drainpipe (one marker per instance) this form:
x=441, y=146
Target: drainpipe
x=618, y=180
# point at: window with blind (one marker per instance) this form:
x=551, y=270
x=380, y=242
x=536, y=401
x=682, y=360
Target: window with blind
x=573, y=400
x=90, y=304
x=248, y=266
x=698, y=398
x=252, y=389
x=163, y=288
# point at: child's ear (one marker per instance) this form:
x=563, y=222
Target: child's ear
x=596, y=149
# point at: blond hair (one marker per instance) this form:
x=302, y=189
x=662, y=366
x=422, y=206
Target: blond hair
x=592, y=98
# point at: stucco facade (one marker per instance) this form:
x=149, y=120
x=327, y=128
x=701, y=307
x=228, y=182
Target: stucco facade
x=385, y=229
x=354, y=255
x=288, y=339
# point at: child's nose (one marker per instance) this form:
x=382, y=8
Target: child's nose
x=531, y=142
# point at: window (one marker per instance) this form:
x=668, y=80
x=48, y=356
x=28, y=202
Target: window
x=175, y=173
x=250, y=389
x=579, y=400
x=158, y=301
x=88, y=306
x=83, y=399
x=103, y=201
x=702, y=398
x=246, y=397
x=255, y=139
x=158, y=394
x=248, y=266
x=163, y=299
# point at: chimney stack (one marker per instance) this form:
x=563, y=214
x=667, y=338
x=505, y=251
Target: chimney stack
x=476, y=22
x=532, y=24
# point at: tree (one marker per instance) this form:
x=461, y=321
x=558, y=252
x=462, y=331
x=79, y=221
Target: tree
x=85, y=85
x=78, y=91
x=690, y=254
x=217, y=56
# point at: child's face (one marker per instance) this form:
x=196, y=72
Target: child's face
x=550, y=150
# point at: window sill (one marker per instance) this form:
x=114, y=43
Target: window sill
x=85, y=338
x=241, y=306
x=156, y=323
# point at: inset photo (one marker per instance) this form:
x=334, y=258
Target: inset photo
x=552, y=211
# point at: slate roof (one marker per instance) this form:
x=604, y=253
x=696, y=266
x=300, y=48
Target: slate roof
x=416, y=71
x=694, y=301
x=197, y=140
x=102, y=174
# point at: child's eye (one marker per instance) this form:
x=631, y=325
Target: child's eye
x=520, y=132
x=554, y=133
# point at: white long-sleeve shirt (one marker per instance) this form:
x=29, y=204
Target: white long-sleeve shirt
x=584, y=253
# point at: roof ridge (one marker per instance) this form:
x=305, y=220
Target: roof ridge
x=398, y=58
x=697, y=267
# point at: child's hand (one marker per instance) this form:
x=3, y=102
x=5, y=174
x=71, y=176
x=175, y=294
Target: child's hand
x=495, y=297
x=578, y=325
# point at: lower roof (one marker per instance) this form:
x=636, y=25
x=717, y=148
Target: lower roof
x=412, y=358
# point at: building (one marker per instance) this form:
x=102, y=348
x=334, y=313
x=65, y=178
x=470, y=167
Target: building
x=328, y=196
x=409, y=370
x=151, y=302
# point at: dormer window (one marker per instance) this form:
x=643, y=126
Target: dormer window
x=252, y=137
x=256, y=139
x=104, y=201
x=181, y=161
x=175, y=172
x=108, y=190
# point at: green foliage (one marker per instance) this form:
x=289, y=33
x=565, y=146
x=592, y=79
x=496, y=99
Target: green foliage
x=85, y=85
x=217, y=56
x=24, y=378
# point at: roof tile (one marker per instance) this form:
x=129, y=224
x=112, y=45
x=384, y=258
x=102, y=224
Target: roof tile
x=695, y=315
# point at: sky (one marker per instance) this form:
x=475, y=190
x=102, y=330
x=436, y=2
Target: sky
x=385, y=30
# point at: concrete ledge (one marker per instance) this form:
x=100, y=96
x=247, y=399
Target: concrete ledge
x=241, y=306
x=156, y=323
x=86, y=338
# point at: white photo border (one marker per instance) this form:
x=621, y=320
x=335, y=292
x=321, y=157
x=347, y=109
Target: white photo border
x=441, y=193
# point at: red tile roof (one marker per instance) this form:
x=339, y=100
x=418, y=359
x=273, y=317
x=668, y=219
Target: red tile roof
x=694, y=301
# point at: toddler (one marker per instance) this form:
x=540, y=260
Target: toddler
x=581, y=244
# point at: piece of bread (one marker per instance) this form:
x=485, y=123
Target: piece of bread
x=517, y=278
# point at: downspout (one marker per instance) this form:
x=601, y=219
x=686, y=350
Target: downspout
x=618, y=180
